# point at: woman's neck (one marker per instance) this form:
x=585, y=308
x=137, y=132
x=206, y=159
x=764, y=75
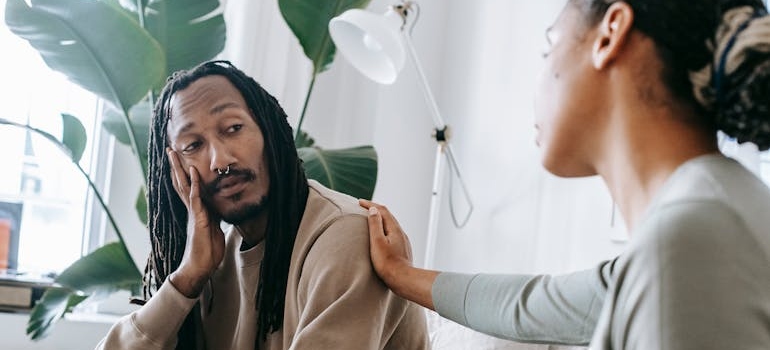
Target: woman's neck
x=642, y=152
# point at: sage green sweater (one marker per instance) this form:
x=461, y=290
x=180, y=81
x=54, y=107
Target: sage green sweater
x=696, y=275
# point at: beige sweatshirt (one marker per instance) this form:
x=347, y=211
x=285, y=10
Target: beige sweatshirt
x=334, y=300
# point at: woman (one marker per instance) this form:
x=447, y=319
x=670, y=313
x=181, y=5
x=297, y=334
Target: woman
x=634, y=91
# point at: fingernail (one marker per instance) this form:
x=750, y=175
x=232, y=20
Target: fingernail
x=373, y=211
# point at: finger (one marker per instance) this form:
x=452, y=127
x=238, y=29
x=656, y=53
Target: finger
x=179, y=178
x=389, y=222
x=197, y=209
x=368, y=204
x=196, y=205
x=376, y=231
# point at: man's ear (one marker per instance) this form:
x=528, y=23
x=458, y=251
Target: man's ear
x=612, y=33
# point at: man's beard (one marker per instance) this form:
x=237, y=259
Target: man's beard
x=244, y=213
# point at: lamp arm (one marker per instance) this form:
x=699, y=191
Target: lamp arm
x=438, y=122
x=440, y=132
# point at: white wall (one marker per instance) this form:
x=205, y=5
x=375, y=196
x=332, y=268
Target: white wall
x=526, y=220
x=481, y=58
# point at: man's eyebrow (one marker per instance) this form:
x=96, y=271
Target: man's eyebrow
x=548, y=35
x=185, y=128
x=221, y=107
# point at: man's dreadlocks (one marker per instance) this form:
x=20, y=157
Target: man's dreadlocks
x=286, y=198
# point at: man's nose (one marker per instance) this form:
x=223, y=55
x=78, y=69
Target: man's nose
x=221, y=157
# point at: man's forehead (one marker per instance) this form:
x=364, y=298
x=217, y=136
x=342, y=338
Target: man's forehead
x=207, y=95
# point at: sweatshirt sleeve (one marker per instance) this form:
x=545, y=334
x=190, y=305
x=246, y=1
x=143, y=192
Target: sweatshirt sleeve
x=526, y=308
x=154, y=325
x=342, y=303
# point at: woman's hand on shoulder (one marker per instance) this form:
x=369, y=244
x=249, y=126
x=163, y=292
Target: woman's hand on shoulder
x=391, y=255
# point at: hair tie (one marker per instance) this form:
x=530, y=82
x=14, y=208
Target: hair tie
x=720, y=70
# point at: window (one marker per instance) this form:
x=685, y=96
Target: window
x=37, y=177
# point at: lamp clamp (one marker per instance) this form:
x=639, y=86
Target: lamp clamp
x=403, y=9
x=442, y=135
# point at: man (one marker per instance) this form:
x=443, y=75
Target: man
x=292, y=272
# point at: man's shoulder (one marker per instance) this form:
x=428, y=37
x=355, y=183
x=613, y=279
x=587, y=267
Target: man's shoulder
x=333, y=215
x=325, y=201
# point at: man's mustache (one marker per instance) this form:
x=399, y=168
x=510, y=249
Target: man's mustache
x=214, y=186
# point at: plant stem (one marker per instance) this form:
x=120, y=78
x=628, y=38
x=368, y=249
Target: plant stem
x=108, y=212
x=304, y=107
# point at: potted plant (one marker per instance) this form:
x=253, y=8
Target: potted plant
x=122, y=51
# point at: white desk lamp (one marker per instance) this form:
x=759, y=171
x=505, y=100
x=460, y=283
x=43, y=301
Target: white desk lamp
x=376, y=45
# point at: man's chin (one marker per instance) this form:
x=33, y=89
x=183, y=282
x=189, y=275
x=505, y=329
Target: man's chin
x=243, y=213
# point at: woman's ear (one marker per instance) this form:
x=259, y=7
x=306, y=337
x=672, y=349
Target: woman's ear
x=612, y=33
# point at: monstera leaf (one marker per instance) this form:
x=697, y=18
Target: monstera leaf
x=309, y=20
x=352, y=171
x=78, y=38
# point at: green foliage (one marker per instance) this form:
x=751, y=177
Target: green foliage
x=140, y=114
x=78, y=38
x=122, y=51
x=107, y=268
x=354, y=169
x=189, y=32
x=309, y=20
x=51, y=307
x=73, y=136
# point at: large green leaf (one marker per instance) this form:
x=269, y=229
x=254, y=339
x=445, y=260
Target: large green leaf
x=190, y=31
x=103, y=271
x=309, y=20
x=352, y=171
x=109, y=267
x=96, y=44
x=140, y=114
x=74, y=136
x=54, y=303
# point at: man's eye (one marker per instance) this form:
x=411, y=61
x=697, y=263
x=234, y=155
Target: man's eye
x=235, y=128
x=191, y=147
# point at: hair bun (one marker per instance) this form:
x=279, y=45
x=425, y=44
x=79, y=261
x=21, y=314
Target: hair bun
x=744, y=110
x=736, y=87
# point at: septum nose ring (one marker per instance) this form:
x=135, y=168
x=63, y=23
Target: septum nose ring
x=225, y=172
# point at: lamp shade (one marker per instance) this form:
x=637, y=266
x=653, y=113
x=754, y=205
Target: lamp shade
x=372, y=43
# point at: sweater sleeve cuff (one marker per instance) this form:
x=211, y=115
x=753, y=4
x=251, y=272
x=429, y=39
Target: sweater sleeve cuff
x=160, y=319
x=449, y=292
